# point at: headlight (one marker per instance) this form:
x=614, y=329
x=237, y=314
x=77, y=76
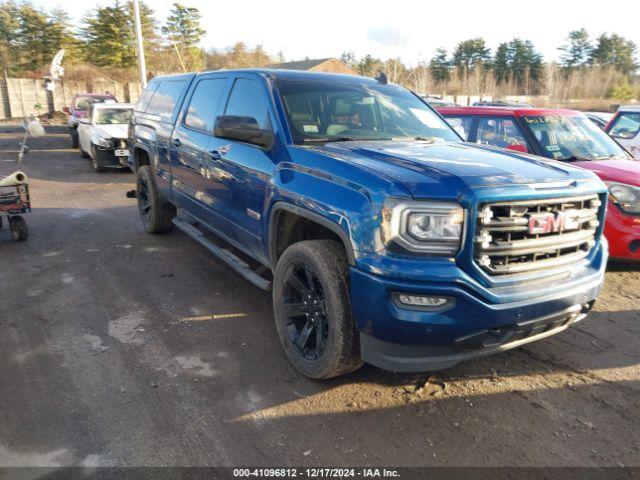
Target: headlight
x=427, y=227
x=104, y=142
x=627, y=197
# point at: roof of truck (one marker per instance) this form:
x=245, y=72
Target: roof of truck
x=277, y=73
x=506, y=111
x=629, y=108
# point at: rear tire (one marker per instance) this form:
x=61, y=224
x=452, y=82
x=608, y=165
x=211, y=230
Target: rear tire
x=19, y=228
x=156, y=213
x=312, y=309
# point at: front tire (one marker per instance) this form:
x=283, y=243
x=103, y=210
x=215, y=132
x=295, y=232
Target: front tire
x=74, y=139
x=312, y=309
x=94, y=160
x=156, y=213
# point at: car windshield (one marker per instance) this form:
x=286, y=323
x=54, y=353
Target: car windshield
x=572, y=137
x=320, y=111
x=111, y=116
x=84, y=103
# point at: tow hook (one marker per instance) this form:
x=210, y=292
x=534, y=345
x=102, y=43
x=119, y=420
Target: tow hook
x=132, y=194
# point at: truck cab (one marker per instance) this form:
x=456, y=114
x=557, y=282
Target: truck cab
x=383, y=237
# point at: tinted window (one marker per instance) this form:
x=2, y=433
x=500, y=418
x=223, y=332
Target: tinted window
x=249, y=99
x=500, y=132
x=112, y=116
x=163, y=102
x=626, y=125
x=205, y=104
x=462, y=125
x=84, y=103
x=145, y=97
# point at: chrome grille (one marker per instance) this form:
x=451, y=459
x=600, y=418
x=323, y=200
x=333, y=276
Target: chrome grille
x=516, y=237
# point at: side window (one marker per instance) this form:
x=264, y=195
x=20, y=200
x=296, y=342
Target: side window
x=205, y=106
x=249, y=99
x=500, y=132
x=462, y=125
x=163, y=102
x=145, y=97
x=626, y=126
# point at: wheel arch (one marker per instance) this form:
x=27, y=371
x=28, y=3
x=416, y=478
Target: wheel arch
x=306, y=218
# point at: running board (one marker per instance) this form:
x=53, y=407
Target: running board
x=223, y=254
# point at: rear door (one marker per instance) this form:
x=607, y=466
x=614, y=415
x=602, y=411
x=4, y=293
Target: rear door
x=191, y=143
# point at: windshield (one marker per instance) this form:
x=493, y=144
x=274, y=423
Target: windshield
x=572, y=138
x=328, y=111
x=110, y=116
x=83, y=103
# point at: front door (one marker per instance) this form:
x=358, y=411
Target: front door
x=239, y=172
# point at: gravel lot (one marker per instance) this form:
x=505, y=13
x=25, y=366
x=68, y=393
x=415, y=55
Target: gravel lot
x=122, y=348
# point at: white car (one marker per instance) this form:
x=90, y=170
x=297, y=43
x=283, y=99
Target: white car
x=103, y=134
x=625, y=128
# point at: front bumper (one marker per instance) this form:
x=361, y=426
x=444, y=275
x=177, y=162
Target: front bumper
x=107, y=158
x=623, y=232
x=478, y=321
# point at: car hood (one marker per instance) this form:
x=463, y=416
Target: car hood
x=423, y=166
x=119, y=130
x=615, y=170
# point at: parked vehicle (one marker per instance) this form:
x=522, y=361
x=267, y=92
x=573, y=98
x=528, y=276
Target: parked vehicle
x=436, y=102
x=601, y=119
x=384, y=237
x=501, y=103
x=568, y=136
x=80, y=108
x=103, y=135
x=625, y=126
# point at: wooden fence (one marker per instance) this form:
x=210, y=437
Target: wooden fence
x=21, y=97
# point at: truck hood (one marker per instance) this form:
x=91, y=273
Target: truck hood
x=118, y=130
x=423, y=167
x=614, y=170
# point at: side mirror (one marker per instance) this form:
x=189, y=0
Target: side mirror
x=243, y=129
x=519, y=147
x=66, y=110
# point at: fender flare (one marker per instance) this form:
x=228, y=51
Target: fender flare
x=314, y=217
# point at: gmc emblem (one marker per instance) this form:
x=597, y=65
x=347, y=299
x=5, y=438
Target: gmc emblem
x=553, y=222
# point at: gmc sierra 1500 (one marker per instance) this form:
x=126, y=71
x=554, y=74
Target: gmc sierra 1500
x=383, y=236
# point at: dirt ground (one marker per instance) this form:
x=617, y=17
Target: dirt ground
x=122, y=348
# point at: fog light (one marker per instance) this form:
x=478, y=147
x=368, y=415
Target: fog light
x=422, y=301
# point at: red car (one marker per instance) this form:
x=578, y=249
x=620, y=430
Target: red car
x=568, y=136
x=80, y=108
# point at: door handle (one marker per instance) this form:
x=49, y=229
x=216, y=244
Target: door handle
x=176, y=142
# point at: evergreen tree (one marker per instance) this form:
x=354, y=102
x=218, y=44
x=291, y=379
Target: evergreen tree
x=615, y=50
x=470, y=53
x=183, y=30
x=577, y=49
x=440, y=66
x=502, y=63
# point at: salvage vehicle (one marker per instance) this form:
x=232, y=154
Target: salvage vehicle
x=103, y=135
x=383, y=236
x=80, y=108
x=625, y=126
x=568, y=136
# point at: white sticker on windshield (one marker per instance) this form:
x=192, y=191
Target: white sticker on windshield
x=310, y=128
x=553, y=148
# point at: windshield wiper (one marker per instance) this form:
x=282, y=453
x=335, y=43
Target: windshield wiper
x=330, y=139
x=575, y=158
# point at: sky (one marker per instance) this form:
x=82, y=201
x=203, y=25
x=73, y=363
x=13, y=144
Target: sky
x=411, y=30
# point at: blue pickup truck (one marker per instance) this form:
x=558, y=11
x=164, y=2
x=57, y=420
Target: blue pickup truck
x=383, y=236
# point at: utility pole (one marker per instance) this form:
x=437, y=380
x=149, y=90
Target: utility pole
x=141, y=62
